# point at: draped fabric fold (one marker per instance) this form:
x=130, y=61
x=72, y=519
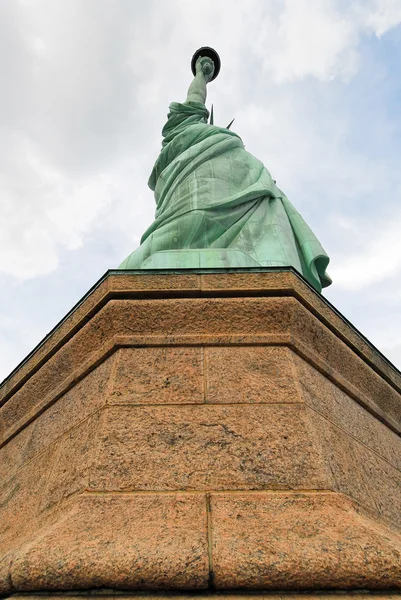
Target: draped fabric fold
x=211, y=193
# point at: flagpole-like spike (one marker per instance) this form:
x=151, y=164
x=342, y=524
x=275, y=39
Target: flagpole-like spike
x=228, y=126
x=211, y=116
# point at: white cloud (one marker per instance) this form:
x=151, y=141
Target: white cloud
x=377, y=258
x=314, y=39
x=43, y=210
x=384, y=15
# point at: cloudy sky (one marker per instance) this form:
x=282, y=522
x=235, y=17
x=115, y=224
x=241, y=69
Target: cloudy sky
x=314, y=86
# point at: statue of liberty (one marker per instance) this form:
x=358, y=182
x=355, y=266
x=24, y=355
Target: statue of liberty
x=216, y=204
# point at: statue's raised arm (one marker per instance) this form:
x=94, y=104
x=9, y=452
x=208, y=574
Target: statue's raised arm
x=204, y=68
x=217, y=205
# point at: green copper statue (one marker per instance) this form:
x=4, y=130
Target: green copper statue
x=216, y=204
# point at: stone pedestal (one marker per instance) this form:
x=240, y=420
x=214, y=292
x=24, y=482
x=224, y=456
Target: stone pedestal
x=201, y=432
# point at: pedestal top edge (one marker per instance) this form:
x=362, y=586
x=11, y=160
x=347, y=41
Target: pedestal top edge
x=136, y=284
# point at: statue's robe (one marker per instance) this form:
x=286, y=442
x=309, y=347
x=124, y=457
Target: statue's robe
x=211, y=193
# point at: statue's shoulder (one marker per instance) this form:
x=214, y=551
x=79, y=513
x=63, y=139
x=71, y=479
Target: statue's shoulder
x=183, y=115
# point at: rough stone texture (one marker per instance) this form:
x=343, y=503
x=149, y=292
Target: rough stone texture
x=19, y=407
x=197, y=316
x=288, y=283
x=384, y=485
x=329, y=544
x=69, y=410
x=321, y=346
x=126, y=541
x=206, y=447
x=75, y=456
x=250, y=374
x=361, y=473
x=199, y=430
x=158, y=376
x=13, y=453
x=92, y=341
x=336, y=406
x=20, y=499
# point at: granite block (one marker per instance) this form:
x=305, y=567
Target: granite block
x=206, y=447
x=119, y=541
x=22, y=404
x=76, y=454
x=327, y=399
x=246, y=374
x=359, y=472
x=20, y=498
x=158, y=376
x=300, y=541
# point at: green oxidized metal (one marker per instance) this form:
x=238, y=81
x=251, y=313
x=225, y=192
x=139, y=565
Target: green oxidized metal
x=216, y=204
